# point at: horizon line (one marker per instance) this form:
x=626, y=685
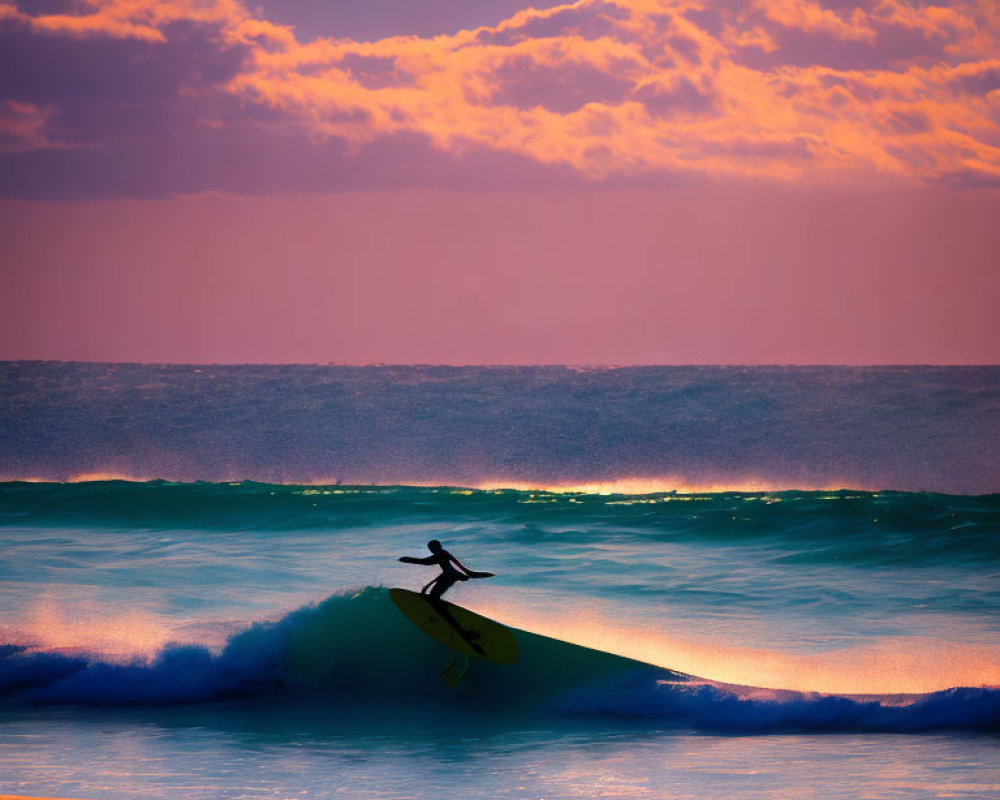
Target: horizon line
x=511, y=364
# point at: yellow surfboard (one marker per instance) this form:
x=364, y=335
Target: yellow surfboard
x=465, y=632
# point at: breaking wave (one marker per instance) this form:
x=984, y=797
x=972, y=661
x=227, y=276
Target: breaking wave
x=353, y=651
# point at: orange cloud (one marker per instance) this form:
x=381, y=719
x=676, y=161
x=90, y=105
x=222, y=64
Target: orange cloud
x=808, y=15
x=145, y=20
x=786, y=90
x=648, y=90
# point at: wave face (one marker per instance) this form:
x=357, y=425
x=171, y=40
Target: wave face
x=901, y=428
x=357, y=652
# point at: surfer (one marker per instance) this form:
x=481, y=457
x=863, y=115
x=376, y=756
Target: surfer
x=452, y=570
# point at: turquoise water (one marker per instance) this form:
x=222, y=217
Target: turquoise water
x=794, y=592
x=237, y=640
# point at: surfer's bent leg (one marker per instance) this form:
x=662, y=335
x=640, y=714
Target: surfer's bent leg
x=440, y=586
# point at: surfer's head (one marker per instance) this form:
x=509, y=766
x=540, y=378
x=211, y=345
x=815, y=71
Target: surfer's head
x=434, y=546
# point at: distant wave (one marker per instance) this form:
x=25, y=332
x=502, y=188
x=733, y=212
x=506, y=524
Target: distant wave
x=357, y=650
x=847, y=527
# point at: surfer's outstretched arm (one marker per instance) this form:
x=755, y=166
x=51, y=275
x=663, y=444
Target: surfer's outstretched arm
x=413, y=560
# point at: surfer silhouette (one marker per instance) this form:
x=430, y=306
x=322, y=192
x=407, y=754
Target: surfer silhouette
x=452, y=571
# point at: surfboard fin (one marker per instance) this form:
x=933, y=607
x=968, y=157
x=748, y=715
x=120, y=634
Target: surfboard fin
x=455, y=671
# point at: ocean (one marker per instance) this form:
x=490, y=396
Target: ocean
x=725, y=582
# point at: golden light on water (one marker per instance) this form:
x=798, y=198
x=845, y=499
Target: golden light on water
x=88, y=627
x=660, y=485
x=897, y=665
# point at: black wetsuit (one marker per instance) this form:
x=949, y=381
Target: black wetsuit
x=449, y=574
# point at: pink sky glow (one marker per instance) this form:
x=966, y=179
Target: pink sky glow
x=606, y=181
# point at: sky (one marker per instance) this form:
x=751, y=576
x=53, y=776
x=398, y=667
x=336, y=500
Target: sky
x=480, y=181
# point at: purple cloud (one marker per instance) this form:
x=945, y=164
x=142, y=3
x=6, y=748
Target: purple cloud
x=683, y=96
x=264, y=161
x=375, y=72
x=565, y=87
x=105, y=89
x=371, y=20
